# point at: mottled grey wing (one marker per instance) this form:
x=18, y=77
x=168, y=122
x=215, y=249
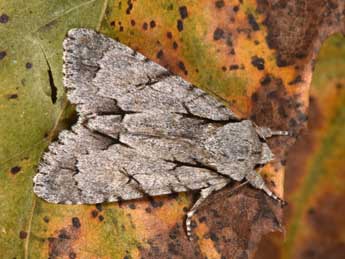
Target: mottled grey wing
x=140, y=129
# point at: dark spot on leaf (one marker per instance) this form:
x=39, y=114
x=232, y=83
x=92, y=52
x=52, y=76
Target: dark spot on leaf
x=99, y=207
x=152, y=24
x=229, y=40
x=234, y=67
x=76, y=222
x=252, y=22
x=302, y=117
x=169, y=35
x=4, y=18
x=132, y=206
x=292, y=123
x=183, y=12
x=23, y=234
x=214, y=237
x=224, y=68
x=72, y=255
x=94, y=213
x=129, y=7
x=172, y=249
x=236, y=8
x=256, y=42
x=219, y=3
x=202, y=219
x=12, y=96
x=15, y=169
x=145, y=26
x=121, y=28
x=218, y=34
x=148, y=210
x=282, y=112
x=255, y=97
x=175, y=46
x=112, y=24
x=258, y=62
x=266, y=80
x=281, y=62
x=297, y=79
x=181, y=66
x=100, y=218
x=132, y=22
x=46, y=219
x=232, y=52
x=180, y=25
x=160, y=54
x=156, y=204
x=28, y=65
x=2, y=54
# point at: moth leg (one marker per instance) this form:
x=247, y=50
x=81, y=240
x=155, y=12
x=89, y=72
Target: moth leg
x=255, y=179
x=204, y=193
x=265, y=132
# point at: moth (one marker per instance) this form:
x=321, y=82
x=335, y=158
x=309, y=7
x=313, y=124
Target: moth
x=143, y=131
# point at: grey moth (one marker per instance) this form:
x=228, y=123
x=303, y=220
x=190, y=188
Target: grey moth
x=143, y=131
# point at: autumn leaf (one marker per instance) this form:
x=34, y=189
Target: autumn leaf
x=247, y=53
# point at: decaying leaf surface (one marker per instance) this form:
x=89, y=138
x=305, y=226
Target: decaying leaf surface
x=315, y=169
x=241, y=51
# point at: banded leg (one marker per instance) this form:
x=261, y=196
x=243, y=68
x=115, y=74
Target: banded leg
x=204, y=193
x=256, y=181
x=265, y=132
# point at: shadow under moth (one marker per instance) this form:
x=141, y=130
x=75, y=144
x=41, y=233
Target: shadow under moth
x=143, y=131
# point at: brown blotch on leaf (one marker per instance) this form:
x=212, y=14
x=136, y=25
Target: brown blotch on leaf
x=4, y=18
x=61, y=246
x=121, y=28
x=100, y=218
x=169, y=35
x=236, y=8
x=258, y=62
x=218, y=34
x=2, y=54
x=15, y=169
x=112, y=24
x=23, y=234
x=224, y=68
x=132, y=22
x=145, y=26
x=219, y=4
x=175, y=46
x=179, y=25
x=252, y=22
x=46, y=219
x=183, y=12
x=72, y=255
x=160, y=54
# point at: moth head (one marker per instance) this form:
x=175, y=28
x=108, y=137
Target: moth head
x=266, y=154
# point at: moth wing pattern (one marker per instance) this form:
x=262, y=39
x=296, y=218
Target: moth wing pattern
x=140, y=129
